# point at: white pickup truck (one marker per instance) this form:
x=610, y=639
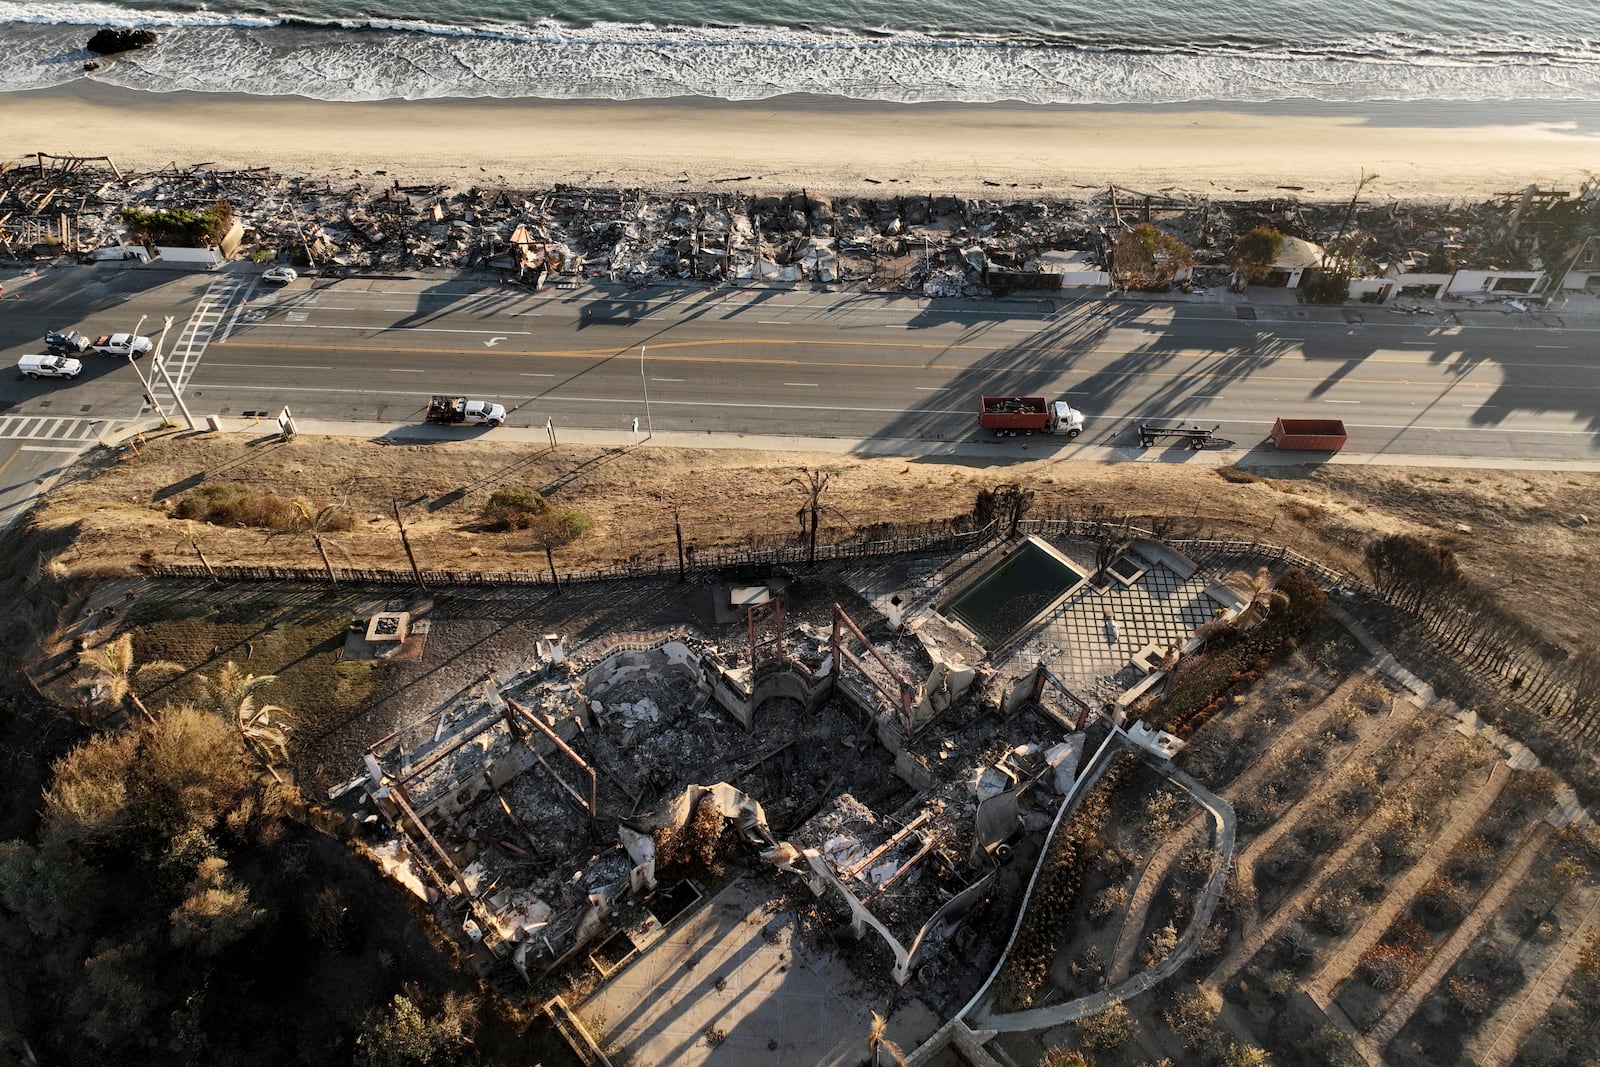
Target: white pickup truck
x=121, y=344
x=458, y=410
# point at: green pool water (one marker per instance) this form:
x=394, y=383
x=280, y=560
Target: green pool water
x=1029, y=579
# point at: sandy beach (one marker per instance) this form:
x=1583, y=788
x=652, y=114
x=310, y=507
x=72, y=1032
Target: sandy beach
x=1313, y=152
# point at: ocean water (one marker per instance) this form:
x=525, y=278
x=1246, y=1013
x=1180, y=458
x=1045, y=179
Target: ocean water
x=1137, y=52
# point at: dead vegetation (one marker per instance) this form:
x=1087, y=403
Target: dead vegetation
x=122, y=507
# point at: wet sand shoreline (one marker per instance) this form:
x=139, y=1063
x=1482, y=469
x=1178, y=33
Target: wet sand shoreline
x=1307, y=150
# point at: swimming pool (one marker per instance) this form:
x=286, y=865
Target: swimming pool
x=1013, y=593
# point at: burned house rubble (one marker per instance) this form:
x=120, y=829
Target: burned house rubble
x=55, y=206
x=550, y=803
x=857, y=783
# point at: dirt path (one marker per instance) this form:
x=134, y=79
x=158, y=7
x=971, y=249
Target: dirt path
x=1205, y=905
x=1511, y=876
x=1401, y=711
x=1257, y=939
x=1144, y=894
x=116, y=506
x=1461, y=823
x=1155, y=871
x=1515, y=1018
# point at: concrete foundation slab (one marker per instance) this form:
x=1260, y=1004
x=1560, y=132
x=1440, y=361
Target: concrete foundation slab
x=729, y=987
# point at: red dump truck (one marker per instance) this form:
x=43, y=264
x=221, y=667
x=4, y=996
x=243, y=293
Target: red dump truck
x=1309, y=435
x=1008, y=416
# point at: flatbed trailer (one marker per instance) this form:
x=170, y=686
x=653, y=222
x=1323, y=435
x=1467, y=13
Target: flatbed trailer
x=1192, y=434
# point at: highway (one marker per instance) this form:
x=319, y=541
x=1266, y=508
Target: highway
x=838, y=365
x=1460, y=384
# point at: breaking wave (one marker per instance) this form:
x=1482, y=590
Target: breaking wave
x=400, y=59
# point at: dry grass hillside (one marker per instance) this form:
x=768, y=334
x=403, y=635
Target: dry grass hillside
x=1525, y=532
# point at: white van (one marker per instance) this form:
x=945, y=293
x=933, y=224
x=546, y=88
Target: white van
x=49, y=366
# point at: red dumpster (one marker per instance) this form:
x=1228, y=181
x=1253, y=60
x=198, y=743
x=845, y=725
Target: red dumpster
x=1309, y=435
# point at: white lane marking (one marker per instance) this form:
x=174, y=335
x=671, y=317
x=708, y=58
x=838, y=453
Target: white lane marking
x=669, y=379
x=198, y=333
x=932, y=388
x=773, y=322
x=536, y=374
x=238, y=309
x=379, y=329
x=1206, y=396
x=50, y=448
x=407, y=370
x=350, y=293
x=271, y=366
x=1428, y=343
x=1291, y=338
x=1357, y=402
x=1562, y=347
x=803, y=385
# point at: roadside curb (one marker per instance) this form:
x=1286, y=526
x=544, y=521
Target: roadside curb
x=997, y=454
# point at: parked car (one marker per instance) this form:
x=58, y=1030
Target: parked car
x=67, y=343
x=279, y=275
x=50, y=366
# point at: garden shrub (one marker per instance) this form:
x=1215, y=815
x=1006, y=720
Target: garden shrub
x=1050, y=908
x=180, y=226
x=1389, y=967
x=519, y=507
x=237, y=504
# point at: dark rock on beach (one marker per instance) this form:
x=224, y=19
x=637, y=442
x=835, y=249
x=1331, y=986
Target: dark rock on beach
x=108, y=42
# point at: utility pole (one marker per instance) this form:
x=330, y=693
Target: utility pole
x=160, y=363
x=144, y=383
x=650, y=427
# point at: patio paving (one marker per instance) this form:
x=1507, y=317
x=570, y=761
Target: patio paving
x=734, y=966
x=1079, y=645
x=1160, y=608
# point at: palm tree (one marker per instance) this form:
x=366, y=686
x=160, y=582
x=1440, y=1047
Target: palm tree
x=877, y=1044
x=113, y=665
x=231, y=692
x=1260, y=592
x=314, y=522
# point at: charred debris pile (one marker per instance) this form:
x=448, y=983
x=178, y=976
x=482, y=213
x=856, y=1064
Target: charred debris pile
x=54, y=206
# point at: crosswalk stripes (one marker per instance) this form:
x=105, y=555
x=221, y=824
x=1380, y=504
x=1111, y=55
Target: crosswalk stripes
x=196, y=334
x=50, y=429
